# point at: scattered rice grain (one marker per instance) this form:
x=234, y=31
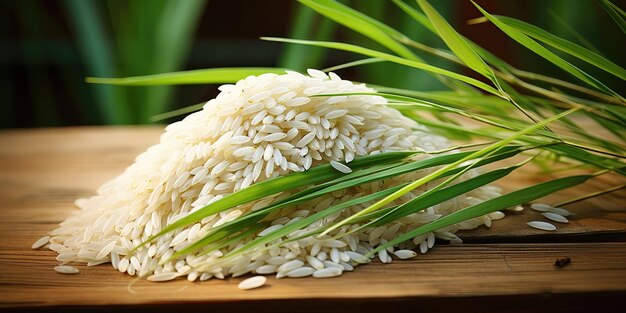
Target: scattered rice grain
x=540, y=207
x=66, y=269
x=555, y=217
x=541, y=225
x=405, y=254
x=41, y=242
x=340, y=167
x=252, y=282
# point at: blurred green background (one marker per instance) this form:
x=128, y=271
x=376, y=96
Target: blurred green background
x=49, y=47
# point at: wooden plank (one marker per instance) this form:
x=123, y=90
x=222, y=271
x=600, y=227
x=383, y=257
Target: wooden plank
x=43, y=171
x=447, y=271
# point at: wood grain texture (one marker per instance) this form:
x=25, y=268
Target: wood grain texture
x=43, y=171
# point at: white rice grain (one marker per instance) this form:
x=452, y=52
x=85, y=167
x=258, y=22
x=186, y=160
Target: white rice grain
x=266, y=269
x=541, y=225
x=252, y=282
x=335, y=114
x=340, y=167
x=106, y=250
x=301, y=272
x=405, y=254
x=497, y=215
x=327, y=272
x=357, y=257
x=555, y=217
x=40, y=242
x=288, y=266
x=66, y=269
x=540, y=207
x=314, y=262
x=123, y=265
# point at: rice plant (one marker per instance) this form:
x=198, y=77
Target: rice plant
x=512, y=113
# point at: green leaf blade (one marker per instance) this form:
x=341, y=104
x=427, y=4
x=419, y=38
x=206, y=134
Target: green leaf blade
x=448, y=193
x=615, y=13
x=565, y=46
x=272, y=186
x=508, y=200
x=287, y=229
x=456, y=43
x=203, y=76
x=391, y=58
x=362, y=24
x=532, y=45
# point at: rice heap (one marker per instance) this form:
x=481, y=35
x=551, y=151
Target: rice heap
x=259, y=128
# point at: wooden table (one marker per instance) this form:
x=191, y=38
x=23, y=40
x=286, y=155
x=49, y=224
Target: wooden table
x=508, y=267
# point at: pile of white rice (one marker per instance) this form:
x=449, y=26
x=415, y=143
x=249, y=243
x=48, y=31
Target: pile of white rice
x=259, y=128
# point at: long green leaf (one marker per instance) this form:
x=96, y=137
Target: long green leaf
x=567, y=27
x=372, y=28
x=378, y=32
x=391, y=58
x=272, y=186
x=353, y=179
x=344, y=182
x=565, y=46
x=531, y=44
x=418, y=16
x=485, y=103
x=611, y=126
x=466, y=186
x=182, y=111
x=502, y=65
x=464, y=50
x=353, y=64
x=440, y=196
x=359, y=23
x=451, y=130
x=304, y=222
x=218, y=236
x=615, y=12
x=506, y=201
x=203, y=76
x=509, y=123
x=425, y=22
x=437, y=174
x=242, y=222
x=456, y=43
x=585, y=157
x=422, y=200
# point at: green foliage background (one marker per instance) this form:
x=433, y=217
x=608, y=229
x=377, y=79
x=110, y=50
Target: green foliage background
x=49, y=47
